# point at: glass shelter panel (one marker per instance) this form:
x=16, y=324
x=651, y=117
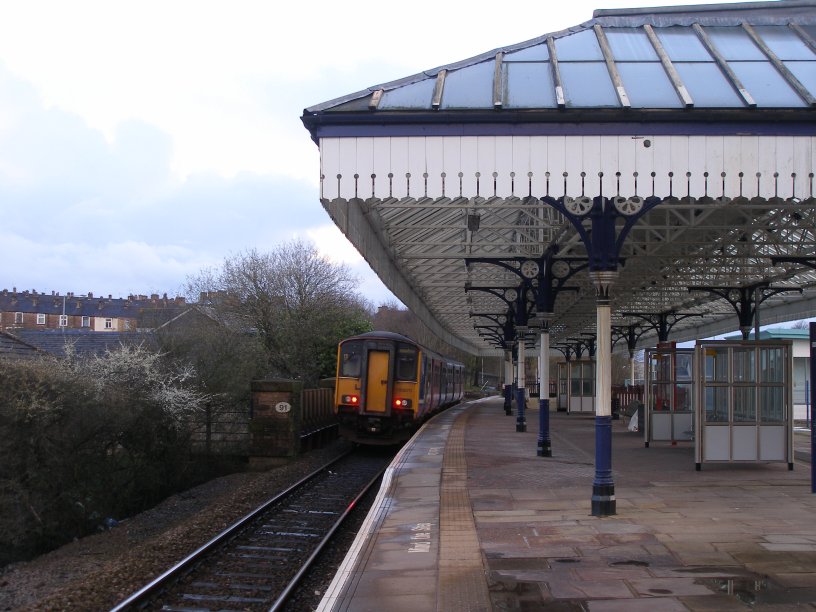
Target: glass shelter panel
x=745, y=395
x=669, y=395
x=716, y=404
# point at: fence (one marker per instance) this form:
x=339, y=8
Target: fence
x=318, y=424
x=218, y=431
x=626, y=394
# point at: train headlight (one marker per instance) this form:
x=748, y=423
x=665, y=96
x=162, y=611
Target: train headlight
x=353, y=400
x=402, y=403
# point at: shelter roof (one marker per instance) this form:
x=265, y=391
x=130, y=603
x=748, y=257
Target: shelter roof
x=654, y=64
x=446, y=180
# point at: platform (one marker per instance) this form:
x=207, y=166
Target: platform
x=469, y=518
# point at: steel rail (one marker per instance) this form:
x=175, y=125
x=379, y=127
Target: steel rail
x=289, y=589
x=153, y=587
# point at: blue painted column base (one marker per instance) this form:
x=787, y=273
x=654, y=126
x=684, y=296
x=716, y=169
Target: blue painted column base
x=508, y=393
x=521, y=423
x=544, y=446
x=603, y=487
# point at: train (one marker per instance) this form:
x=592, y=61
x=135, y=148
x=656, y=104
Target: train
x=387, y=385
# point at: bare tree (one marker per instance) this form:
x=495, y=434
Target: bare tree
x=298, y=302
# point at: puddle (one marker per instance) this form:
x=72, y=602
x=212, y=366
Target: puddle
x=630, y=562
x=755, y=591
x=568, y=560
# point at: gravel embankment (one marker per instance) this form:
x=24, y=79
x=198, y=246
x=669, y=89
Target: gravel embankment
x=98, y=571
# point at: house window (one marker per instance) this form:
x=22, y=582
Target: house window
x=127, y=324
x=108, y=323
x=18, y=317
x=86, y=321
x=63, y=322
x=40, y=318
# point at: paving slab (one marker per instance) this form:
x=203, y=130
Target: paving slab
x=471, y=519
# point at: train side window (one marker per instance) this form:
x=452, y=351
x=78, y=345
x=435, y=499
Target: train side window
x=407, y=362
x=351, y=359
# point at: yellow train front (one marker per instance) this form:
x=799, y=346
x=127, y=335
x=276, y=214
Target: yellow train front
x=387, y=385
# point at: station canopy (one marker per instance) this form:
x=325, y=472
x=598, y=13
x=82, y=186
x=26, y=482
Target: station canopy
x=444, y=180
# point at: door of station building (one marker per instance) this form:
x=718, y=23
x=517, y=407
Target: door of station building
x=377, y=381
x=669, y=397
x=745, y=408
x=563, y=386
x=581, y=386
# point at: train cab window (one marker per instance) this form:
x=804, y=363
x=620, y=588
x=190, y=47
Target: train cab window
x=407, y=362
x=351, y=359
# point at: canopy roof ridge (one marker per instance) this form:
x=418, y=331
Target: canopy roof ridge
x=431, y=73
x=770, y=12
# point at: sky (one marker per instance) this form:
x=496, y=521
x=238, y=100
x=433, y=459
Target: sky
x=144, y=142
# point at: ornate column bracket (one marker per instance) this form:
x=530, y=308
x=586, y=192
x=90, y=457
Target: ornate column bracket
x=661, y=322
x=603, y=238
x=745, y=300
x=541, y=280
x=567, y=350
x=631, y=334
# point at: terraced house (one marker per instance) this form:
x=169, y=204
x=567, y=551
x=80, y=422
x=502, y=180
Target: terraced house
x=30, y=310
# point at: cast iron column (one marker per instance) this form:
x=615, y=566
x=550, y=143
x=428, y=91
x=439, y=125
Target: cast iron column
x=603, y=487
x=521, y=392
x=508, y=382
x=544, y=445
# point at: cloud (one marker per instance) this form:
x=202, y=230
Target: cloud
x=86, y=213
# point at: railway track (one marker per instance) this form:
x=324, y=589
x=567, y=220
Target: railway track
x=257, y=563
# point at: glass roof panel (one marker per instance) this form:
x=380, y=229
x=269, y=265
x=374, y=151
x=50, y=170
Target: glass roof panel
x=784, y=42
x=810, y=29
x=415, y=95
x=529, y=85
x=734, y=44
x=647, y=85
x=536, y=53
x=682, y=45
x=580, y=46
x=630, y=45
x=805, y=72
x=765, y=84
x=707, y=85
x=469, y=87
x=587, y=84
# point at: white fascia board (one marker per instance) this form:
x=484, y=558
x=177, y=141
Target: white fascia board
x=715, y=166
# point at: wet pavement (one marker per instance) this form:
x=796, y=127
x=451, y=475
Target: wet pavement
x=469, y=518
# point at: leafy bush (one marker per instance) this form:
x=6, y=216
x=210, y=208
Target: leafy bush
x=82, y=440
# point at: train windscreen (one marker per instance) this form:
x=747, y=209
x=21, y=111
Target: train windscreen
x=407, y=362
x=351, y=359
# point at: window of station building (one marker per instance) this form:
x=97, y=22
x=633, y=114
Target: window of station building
x=351, y=359
x=108, y=323
x=40, y=318
x=86, y=321
x=127, y=324
x=18, y=317
x=407, y=357
x=63, y=321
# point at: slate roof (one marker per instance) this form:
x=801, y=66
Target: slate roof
x=12, y=347
x=134, y=307
x=83, y=342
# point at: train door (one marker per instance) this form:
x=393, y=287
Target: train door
x=377, y=381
